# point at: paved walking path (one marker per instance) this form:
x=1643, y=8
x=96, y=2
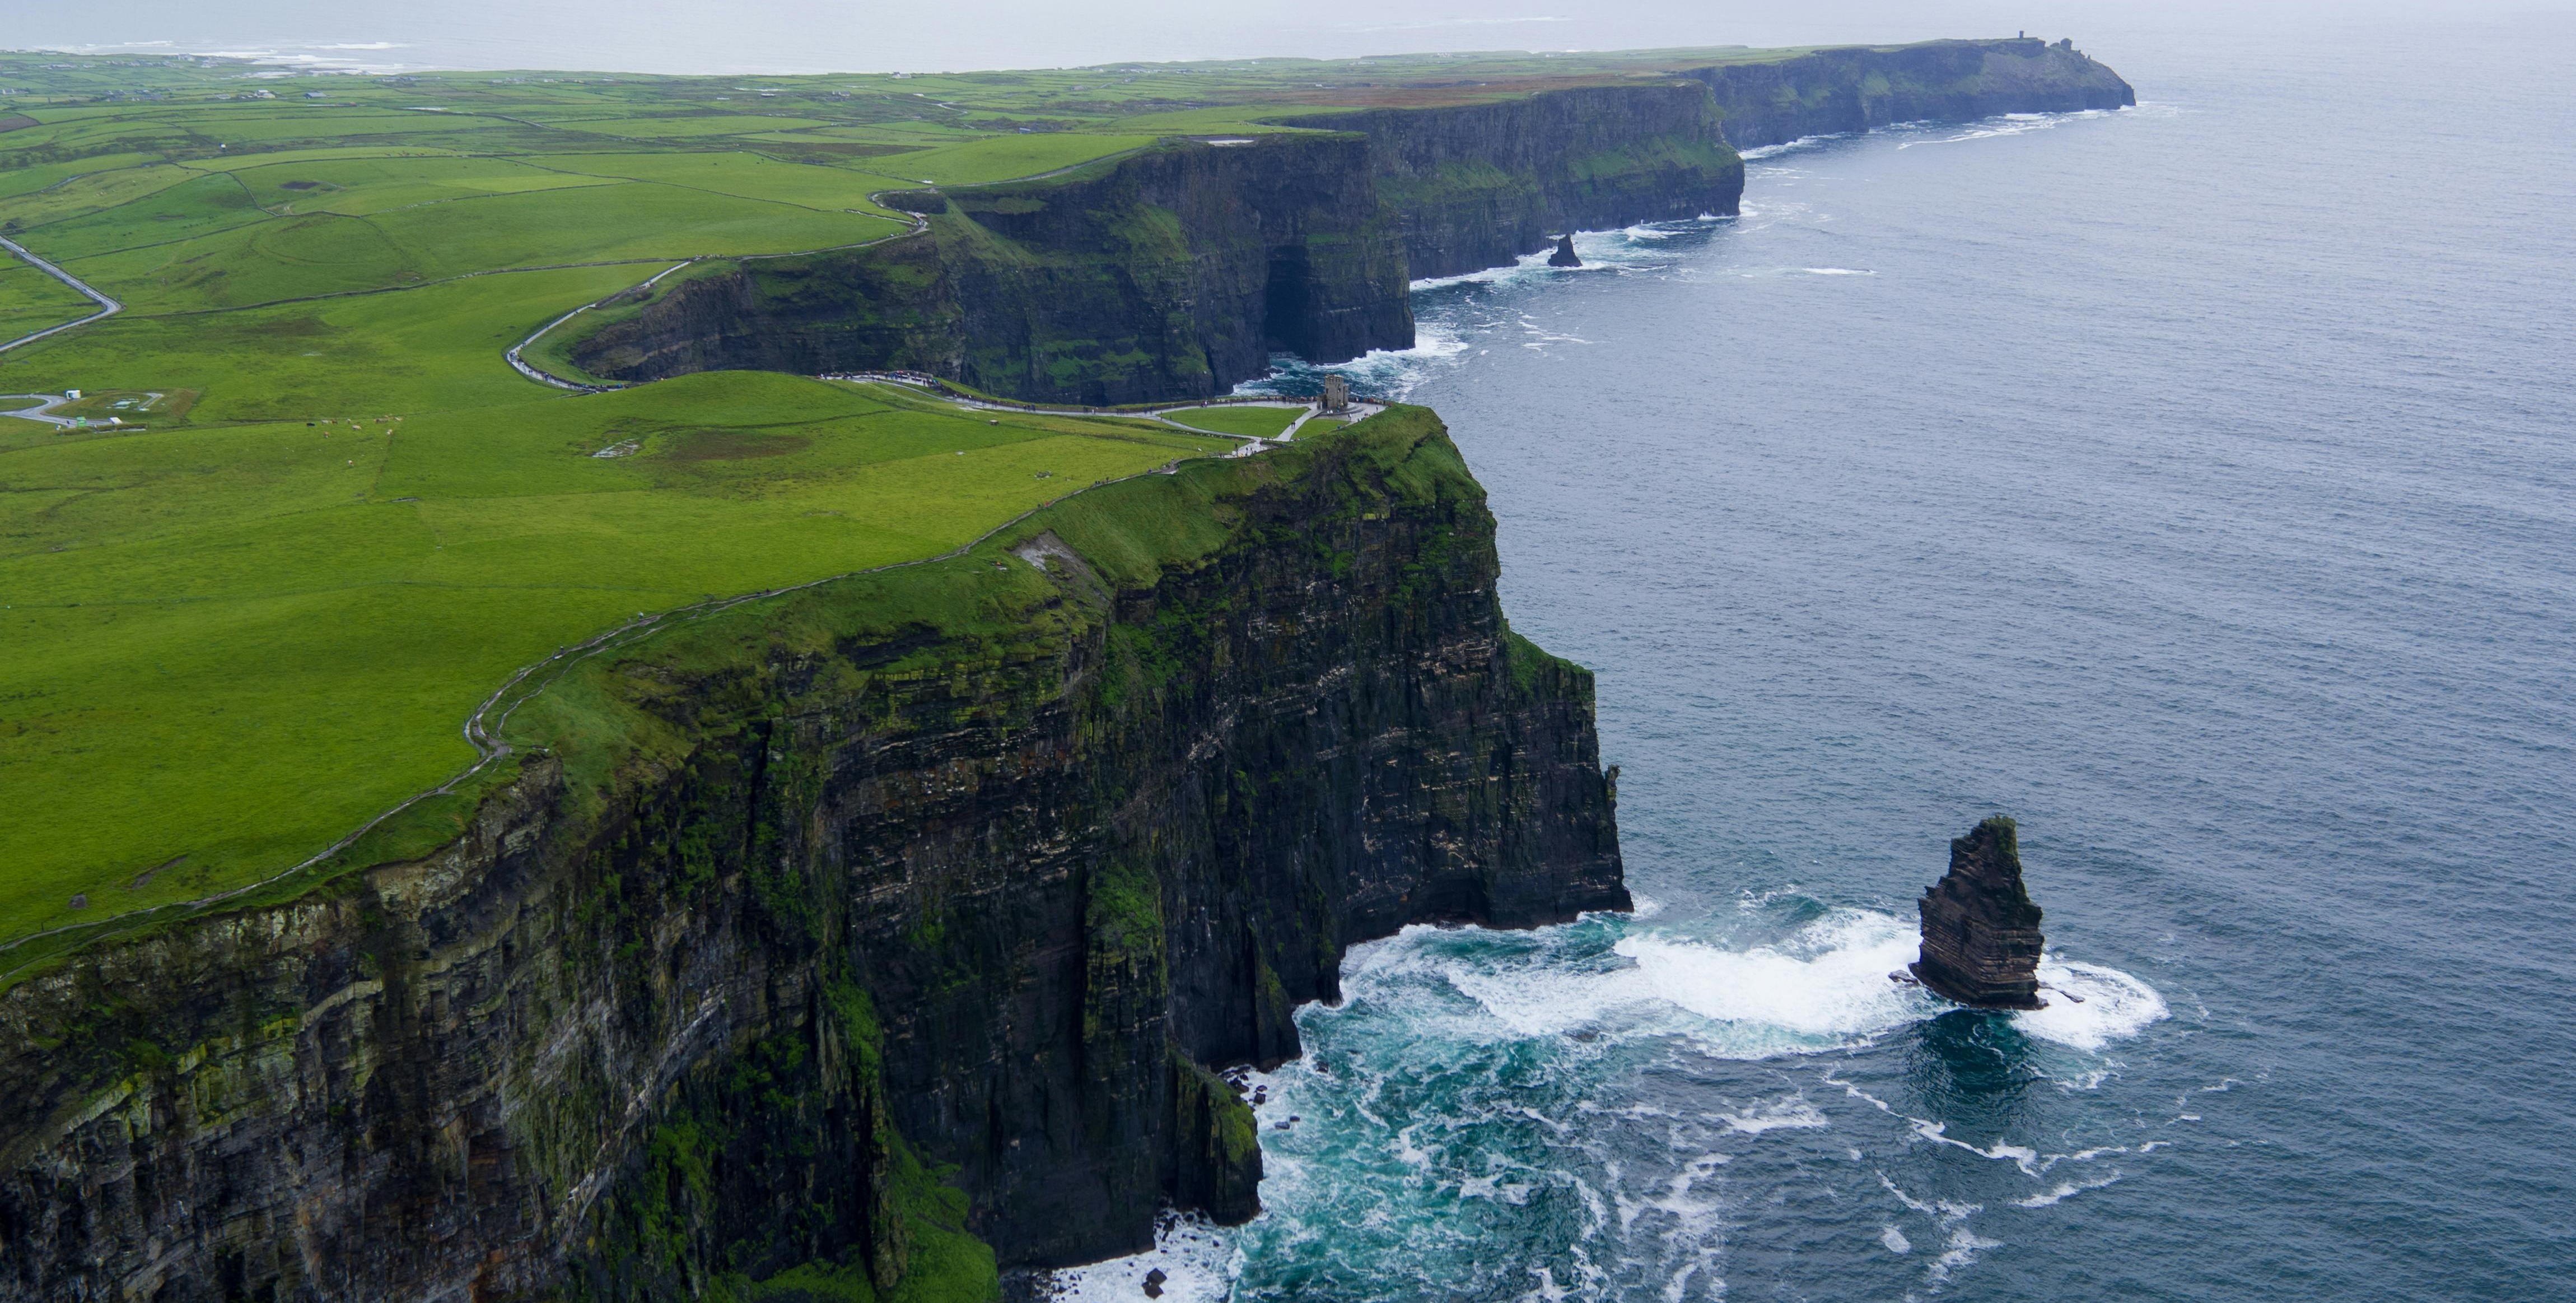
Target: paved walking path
x=1358, y=410
x=107, y=307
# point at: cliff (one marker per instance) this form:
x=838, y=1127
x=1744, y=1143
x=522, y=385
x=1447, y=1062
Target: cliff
x=1177, y=272
x=1856, y=88
x=1477, y=186
x=1981, y=940
x=848, y=943
x=1171, y=273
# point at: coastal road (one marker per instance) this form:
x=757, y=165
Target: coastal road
x=107, y=307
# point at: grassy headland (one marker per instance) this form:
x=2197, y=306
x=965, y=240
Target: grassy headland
x=256, y=615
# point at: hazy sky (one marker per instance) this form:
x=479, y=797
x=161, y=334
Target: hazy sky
x=925, y=35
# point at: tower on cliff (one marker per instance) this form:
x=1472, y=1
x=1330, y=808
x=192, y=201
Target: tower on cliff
x=1337, y=393
x=1981, y=939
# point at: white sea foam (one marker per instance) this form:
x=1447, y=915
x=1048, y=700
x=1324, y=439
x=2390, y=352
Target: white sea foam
x=1199, y=1262
x=2064, y=1190
x=2010, y=124
x=2115, y=1006
x=1824, y=986
x=2021, y=1156
x=1829, y=980
x=1895, y=1240
x=1760, y=152
x=1789, y=1113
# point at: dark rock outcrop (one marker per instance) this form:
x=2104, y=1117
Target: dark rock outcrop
x=1565, y=256
x=1981, y=941
x=1476, y=186
x=1174, y=272
x=1177, y=272
x=817, y=934
x=1855, y=88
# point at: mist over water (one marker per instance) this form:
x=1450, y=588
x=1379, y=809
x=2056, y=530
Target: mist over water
x=2194, y=483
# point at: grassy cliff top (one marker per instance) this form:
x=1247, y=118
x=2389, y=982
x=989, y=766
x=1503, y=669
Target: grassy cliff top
x=312, y=515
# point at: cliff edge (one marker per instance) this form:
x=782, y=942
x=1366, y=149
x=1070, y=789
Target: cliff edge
x=1177, y=271
x=857, y=941
x=1856, y=88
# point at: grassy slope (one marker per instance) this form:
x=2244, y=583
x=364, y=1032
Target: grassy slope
x=229, y=639
x=30, y=301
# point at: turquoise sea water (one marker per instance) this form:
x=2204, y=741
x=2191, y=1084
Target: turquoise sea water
x=2195, y=483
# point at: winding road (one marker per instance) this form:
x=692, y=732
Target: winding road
x=107, y=307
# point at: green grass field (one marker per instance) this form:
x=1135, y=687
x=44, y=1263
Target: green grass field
x=231, y=637
x=31, y=301
x=1003, y=158
x=230, y=645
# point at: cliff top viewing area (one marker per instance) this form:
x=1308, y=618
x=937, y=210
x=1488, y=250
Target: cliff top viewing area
x=333, y=518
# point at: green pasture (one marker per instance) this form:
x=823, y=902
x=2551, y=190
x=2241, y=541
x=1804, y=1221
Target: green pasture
x=1249, y=420
x=31, y=301
x=1002, y=158
x=684, y=128
x=741, y=174
x=428, y=349
x=229, y=646
x=231, y=638
x=577, y=220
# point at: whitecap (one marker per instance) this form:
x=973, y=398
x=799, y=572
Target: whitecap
x=2064, y=1190
x=1789, y=1113
x=2114, y=1006
x=1828, y=980
x=1198, y=1259
x=1759, y=152
x=2021, y=1156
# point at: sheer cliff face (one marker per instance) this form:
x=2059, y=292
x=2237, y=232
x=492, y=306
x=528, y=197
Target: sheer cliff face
x=1479, y=186
x=1178, y=271
x=963, y=870
x=1172, y=273
x=1860, y=87
x=1981, y=938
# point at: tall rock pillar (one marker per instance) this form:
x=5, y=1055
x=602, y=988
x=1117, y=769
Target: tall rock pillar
x=1981, y=939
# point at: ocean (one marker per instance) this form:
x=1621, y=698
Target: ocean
x=2196, y=484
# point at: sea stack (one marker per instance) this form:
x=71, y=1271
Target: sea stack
x=1980, y=930
x=1564, y=255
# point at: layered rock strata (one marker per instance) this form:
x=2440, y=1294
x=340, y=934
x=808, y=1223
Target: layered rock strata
x=1981, y=941
x=1477, y=186
x=1174, y=272
x=830, y=939
x=1179, y=270
x=1856, y=88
